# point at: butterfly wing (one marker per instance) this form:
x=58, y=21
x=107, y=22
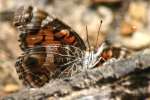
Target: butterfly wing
x=37, y=28
x=38, y=65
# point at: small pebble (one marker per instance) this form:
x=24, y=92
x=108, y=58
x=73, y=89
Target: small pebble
x=106, y=1
x=138, y=40
x=127, y=29
x=138, y=10
x=11, y=88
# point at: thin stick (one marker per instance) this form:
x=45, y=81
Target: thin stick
x=99, y=29
x=87, y=37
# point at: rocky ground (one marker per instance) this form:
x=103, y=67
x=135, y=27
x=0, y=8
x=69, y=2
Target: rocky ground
x=125, y=24
x=120, y=80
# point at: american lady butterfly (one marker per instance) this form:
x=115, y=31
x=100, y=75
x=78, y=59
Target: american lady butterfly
x=51, y=49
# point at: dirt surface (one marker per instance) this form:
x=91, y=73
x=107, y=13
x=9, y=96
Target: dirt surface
x=128, y=78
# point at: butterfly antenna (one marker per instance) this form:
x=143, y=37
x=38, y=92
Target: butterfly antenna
x=99, y=29
x=87, y=39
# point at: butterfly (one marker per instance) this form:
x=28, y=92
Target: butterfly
x=52, y=49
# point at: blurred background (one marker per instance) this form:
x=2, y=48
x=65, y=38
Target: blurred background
x=126, y=23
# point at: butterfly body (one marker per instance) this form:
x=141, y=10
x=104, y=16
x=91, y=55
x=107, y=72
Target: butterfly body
x=51, y=49
x=48, y=45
